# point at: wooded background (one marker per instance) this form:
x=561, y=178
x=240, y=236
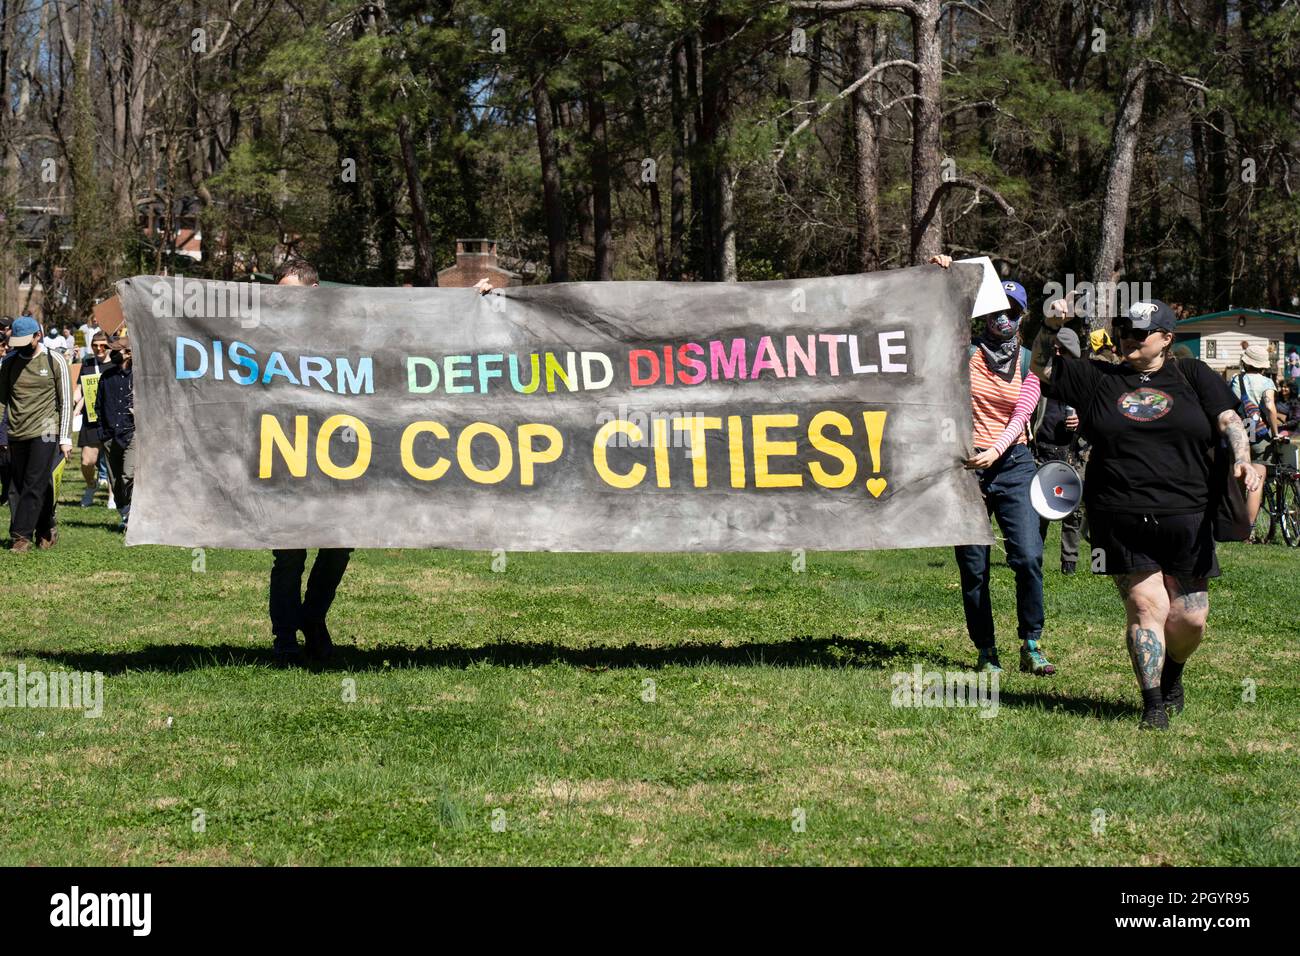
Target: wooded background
x=1148, y=140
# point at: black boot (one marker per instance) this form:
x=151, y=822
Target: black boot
x=319, y=648
x=1171, y=686
x=285, y=651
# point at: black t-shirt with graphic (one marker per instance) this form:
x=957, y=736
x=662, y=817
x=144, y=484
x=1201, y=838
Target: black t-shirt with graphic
x=1150, y=439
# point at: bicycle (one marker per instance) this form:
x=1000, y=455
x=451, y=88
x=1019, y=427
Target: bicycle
x=1280, y=508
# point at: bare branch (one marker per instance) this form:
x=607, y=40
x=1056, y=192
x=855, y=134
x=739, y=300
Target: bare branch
x=866, y=77
x=848, y=6
x=958, y=5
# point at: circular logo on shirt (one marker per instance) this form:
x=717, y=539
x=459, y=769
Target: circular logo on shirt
x=1145, y=404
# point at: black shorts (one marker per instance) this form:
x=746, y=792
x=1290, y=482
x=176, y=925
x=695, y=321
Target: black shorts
x=1179, y=545
x=89, y=436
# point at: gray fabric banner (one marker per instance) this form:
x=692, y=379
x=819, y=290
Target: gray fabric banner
x=825, y=414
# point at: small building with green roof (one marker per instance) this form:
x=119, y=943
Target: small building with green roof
x=1219, y=338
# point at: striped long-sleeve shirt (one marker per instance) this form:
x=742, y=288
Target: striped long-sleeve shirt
x=36, y=393
x=1000, y=409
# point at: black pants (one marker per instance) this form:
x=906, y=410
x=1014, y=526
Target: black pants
x=4, y=474
x=289, y=609
x=31, y=487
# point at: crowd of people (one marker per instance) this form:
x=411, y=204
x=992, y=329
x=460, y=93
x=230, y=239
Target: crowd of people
x=1136, y=419
x=57, y=385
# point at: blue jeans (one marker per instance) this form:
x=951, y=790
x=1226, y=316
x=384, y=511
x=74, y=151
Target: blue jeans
x=1005, y=485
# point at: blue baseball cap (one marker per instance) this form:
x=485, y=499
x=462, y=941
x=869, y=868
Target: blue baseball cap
x=1016, y=292
x=21, y=332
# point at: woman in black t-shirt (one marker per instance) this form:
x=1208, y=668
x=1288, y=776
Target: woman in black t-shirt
x=1152, y=422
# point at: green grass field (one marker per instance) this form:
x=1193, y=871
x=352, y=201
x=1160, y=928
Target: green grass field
x=519, y=696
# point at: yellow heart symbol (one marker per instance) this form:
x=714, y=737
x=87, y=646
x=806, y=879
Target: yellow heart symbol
x=876, y=486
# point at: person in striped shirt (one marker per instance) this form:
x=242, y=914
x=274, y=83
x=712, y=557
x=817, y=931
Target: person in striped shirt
x=1004, y=394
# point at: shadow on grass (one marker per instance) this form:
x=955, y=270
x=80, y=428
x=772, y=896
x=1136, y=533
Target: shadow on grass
x=110, y=524
x=1078, y=706
x=795, y=652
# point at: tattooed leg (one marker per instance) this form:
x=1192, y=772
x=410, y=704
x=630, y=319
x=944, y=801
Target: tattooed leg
x=1147, y=652
x=1147, y=603
x=1189, y=605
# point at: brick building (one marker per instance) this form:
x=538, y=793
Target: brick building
x=476, y=259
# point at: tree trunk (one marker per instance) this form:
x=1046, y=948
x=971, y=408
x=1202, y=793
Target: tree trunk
x=1107, y=263
x=1219, y=249
x=927, y=145
x=702, y=211
x=714, y=140
x=600, y=181
x=677, y=214
x=425, y=274
x=652, y=187
x=866, y=143
x=581, y=190
x=384, y=201
x=552, y=198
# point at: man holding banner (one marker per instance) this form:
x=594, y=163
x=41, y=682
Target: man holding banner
x=292, y=612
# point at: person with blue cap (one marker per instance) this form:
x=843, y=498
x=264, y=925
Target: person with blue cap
x=36, y=396
x=1004, y=394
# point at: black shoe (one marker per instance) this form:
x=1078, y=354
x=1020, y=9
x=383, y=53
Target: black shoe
x=319, y=648
x=1154, y=718
x=1174, y=696
x=1068, y=568
x=285, y=651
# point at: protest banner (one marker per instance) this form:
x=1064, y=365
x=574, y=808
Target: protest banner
x=828, y=414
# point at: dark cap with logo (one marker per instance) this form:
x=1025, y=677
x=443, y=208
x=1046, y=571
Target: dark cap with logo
x=1149, y=315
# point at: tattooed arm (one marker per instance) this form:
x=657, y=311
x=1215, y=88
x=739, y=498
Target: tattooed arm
x=1230, y=427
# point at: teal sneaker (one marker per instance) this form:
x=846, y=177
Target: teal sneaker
x=1032, y=660
x=988, y=661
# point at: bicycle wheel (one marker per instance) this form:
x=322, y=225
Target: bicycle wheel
x=1288, y=511
x=1265, y=521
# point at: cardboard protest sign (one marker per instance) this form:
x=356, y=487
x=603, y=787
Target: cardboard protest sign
x=89, y=392
x=827, y=414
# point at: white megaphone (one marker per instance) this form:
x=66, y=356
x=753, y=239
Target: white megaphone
x=1055, y=491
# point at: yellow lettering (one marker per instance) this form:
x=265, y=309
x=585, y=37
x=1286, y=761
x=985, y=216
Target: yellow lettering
x=529, y=456
x=273, y=437
x=423, y=472
x=763, y=449
x=600, y=454
x=505, y=459
x=362, y=434
x=829, y=446
x=696, y=426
